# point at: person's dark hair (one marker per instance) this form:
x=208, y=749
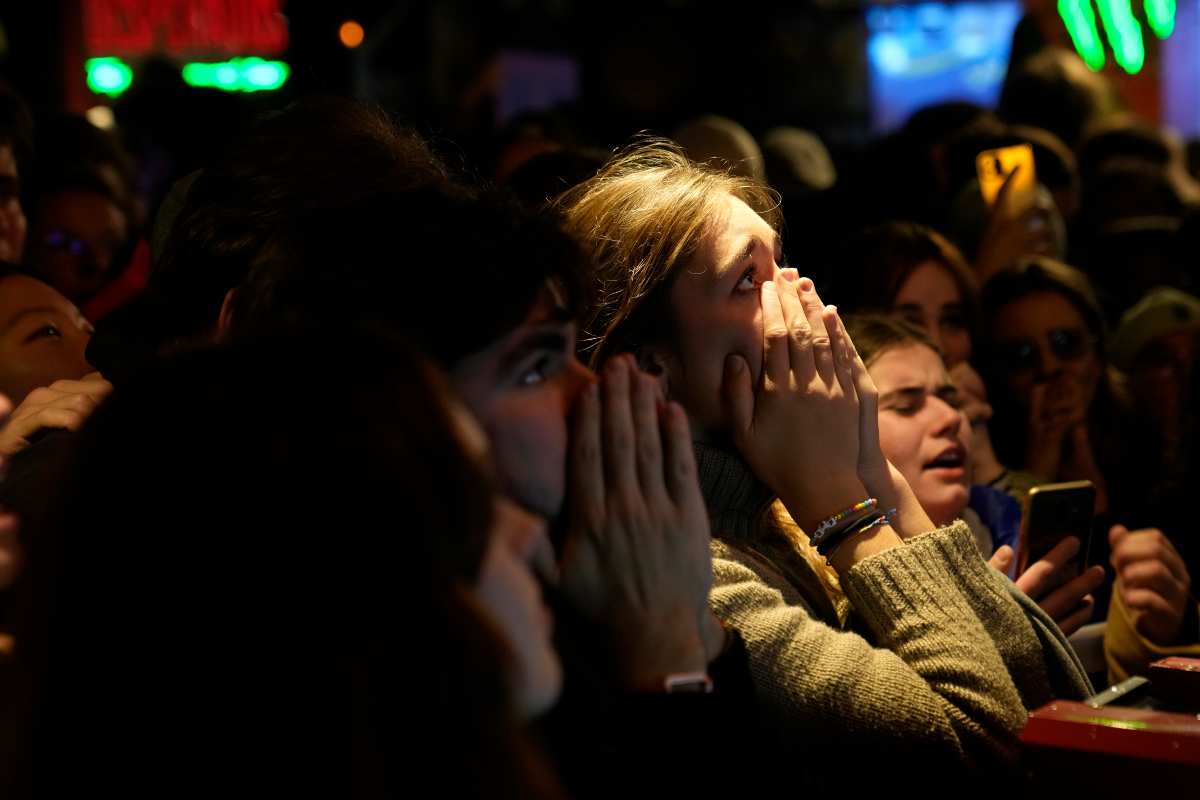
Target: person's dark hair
x=875, y=334
x=318, y=154
x=1039, y=274
x=73, y=153
x=236, y=582
x=1054, y=90
x=875, y=264
x=1122, y=137
x=547, y=175
x=451, y=272
x=1053, y=160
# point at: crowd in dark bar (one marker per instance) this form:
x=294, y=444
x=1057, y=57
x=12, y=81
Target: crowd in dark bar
x=372, y=453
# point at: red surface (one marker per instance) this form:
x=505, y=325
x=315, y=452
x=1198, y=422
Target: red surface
x=1130, y=732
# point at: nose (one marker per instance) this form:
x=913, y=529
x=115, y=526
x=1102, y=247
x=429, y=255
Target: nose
x=579, y=377
x=525, y=534
x=949, y=419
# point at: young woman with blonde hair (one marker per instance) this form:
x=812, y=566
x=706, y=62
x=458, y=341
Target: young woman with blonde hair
x=871, y=641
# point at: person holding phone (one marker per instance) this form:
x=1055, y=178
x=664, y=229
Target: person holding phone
x=924, y=431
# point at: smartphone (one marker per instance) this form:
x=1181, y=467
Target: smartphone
x=1053, y=512
x=994, y=167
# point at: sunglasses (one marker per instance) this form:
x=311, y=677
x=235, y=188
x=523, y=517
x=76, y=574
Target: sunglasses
x=1023, y=355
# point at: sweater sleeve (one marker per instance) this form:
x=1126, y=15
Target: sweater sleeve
x=1129, y=653
x=1040, y=661
x=934, y=685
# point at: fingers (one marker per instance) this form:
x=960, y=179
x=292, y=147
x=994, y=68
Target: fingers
x=680, y=459
x=1002, y=559
x=1034, y=580
x=1156, y=577
x=648, y=442
x=821, y=348
x=5, y=407
x=843, y=355
x=618, y=438
x=1079, y=617
x=777, y=359
x=1145, y=545
x=587, y=462
x=800, y=328
x=868, y=399
x=1062, y=600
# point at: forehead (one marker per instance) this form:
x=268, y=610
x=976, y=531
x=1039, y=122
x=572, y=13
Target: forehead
x=1037, y=312
x=730, y=228
x=930, y=283
x=908, y=365
x=20, y=292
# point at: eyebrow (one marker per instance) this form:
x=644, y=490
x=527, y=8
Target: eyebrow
x=28, y=312
x=748, y=251
x=907, y=393
x=545, y=338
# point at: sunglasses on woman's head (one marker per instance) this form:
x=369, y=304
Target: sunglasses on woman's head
x=1023, y=355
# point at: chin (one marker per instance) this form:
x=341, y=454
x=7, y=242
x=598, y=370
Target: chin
x=945, y=505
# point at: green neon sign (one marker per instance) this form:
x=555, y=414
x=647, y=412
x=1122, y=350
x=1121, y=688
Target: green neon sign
x=108, y=76
x=1120, y=26
x=238, y=75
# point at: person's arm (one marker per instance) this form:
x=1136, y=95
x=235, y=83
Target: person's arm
x=934, y=682
x=61, y=405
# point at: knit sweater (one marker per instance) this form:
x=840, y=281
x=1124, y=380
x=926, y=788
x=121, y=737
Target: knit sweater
x=943, y=656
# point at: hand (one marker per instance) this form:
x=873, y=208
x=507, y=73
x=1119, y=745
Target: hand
x=1070, y=604
x=985, y=466
x=1010, y=236
x=63, y=404
x=1152, y=580
x=636, y=558
x=1055, y=409
x=799, y=428
x=880, y=477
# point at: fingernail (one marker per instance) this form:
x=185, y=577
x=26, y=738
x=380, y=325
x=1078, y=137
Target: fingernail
x=806, y=285
x=831, y=308
x=790, y=273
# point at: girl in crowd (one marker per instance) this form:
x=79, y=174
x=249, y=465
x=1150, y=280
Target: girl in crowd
x=920, y=421
x=1056, y=411
x=929, y=652
x=43, y=367
x=291, y=576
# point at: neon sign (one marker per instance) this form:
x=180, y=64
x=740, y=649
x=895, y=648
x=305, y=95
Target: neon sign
x=184, y=28
x=1122, y=28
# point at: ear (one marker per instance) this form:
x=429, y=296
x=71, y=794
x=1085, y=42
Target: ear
x=225, y=318
x=656, y=361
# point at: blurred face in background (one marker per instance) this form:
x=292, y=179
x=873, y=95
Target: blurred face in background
x=1041, y=340
x=12, y=215
x=931, y=300
x=78, y=237
x=42, y=337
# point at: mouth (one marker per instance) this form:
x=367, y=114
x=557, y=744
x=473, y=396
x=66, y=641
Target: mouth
x=952, y=458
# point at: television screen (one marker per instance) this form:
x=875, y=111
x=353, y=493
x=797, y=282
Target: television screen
x=933, y=52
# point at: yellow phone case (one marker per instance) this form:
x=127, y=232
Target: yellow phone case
x=994, y=167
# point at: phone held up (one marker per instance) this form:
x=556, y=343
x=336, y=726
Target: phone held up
x=1055, y=511
x=994, y=167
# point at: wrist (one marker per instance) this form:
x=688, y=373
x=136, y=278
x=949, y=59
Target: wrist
x=809, y=510
x=673, y=645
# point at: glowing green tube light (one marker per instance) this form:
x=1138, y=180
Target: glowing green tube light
x=1161, y=16
x=1124, y=34
x=1081, y=25
x=238, y=75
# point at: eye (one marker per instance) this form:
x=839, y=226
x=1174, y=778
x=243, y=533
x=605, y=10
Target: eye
x=955, y=320
x=45, y=332
x=747, y=283
x=544, y=368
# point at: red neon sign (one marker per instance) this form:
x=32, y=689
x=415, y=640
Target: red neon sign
x=184, y=27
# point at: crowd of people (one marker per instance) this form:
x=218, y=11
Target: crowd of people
x=342, y=465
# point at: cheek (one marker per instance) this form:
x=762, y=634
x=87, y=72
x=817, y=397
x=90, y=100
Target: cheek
x=704, y=342
x=899, y=444
x=957, y=347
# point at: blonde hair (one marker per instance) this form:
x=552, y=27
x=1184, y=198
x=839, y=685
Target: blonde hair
x=642, y=217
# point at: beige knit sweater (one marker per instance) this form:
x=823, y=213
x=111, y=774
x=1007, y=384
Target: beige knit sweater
x=939, y=658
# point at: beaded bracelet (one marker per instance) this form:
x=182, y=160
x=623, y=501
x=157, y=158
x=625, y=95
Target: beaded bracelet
x=832, y=541
x=832, y=522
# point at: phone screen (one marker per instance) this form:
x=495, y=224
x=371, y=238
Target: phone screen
x=995, y=166
x=1054, y=512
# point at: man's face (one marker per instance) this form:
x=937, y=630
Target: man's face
x=521, y=389
x=12, y=216
x=42, y=338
